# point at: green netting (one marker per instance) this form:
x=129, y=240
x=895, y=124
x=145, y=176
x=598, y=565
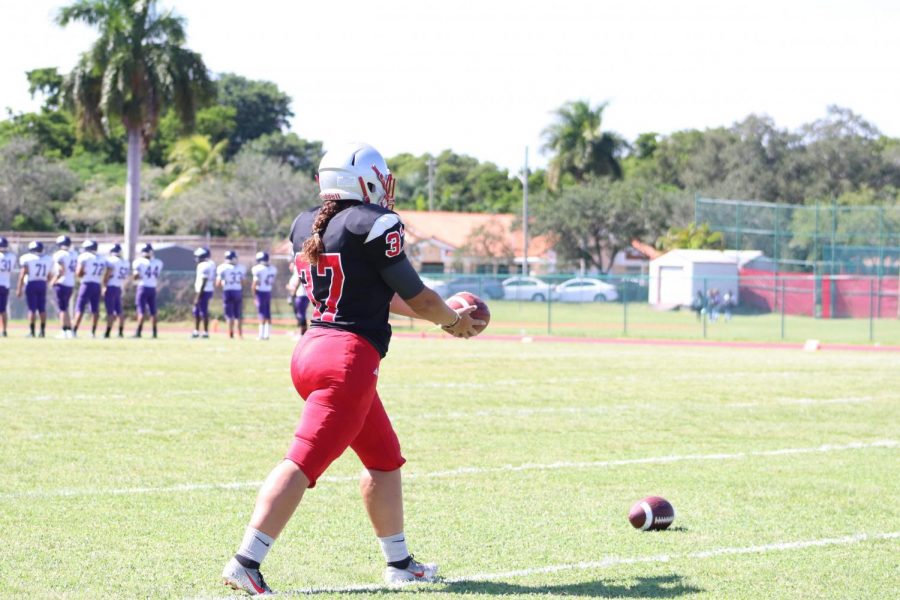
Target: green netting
x=822, y=237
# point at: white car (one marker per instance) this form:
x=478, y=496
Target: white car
x=525, y=288
x=582, y=289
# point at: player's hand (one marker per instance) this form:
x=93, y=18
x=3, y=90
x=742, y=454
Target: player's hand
x=465, y=326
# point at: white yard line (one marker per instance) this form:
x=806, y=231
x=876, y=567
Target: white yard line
x=613, y=561
x=462, y=471
x=505, y=411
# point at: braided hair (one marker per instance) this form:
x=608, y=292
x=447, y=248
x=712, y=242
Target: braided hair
x=314, y=246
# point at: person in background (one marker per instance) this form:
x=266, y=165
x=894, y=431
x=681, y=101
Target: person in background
x=699, y=304
x=298, y=300
x=36, y=267
x=146, y=270
x=230, y=277
x=63, y=282
x=8, y=262
x=727, y=303
x=203, y=288
x=114, y=281
x=91, y=269
x=263, y=277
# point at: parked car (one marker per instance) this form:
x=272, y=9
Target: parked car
x=484, y=287
x=525, y=288
x=581, y=289
x=438, y=286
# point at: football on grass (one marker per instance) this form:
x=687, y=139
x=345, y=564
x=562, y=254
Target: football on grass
x=467, y=299
x=652, y=514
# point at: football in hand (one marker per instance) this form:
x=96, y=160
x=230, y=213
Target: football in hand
x=652, y=514
x=467, y=299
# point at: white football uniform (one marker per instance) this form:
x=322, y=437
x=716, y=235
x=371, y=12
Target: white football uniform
x=299, y=290
x=8, y=263
x=37, y=266
x=147, y=270
x=231, y=276
x=119, y=270
x=94, y=267
x=66, y=261
x=205, y=270
x=264, y=276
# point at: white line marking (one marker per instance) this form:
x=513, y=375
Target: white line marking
x=612, y=561
x=802, y=402
x=193, y=487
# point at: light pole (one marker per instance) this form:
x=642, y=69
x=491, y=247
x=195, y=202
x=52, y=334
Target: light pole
x=523, y=177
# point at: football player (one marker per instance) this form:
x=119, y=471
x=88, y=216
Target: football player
x=91, y=269
x=114, y=281
x=298, y=299
x=351, y=252
x=263, y=277
x=63, y=282
x=145, y=271
x=203, y=288
x=36, y=267
x=230, y=277
x=8, y=263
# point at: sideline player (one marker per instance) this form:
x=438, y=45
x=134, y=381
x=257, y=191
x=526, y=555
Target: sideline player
x=298, y=300
x=146, y=272
x=63, y=282
x=91, y=269
x=352, y=252
x=36, y=267
x=263, y=277
x=114, y=281
x=203, y=288
x=230, y=277
x=8, y=263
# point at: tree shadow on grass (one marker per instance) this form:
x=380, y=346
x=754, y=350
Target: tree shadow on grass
x=661, y=586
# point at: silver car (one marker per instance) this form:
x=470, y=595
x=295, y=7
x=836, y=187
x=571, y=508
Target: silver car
x=525, y=288
x=583, y=289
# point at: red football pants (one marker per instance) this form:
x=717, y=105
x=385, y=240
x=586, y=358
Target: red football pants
x=336, y=372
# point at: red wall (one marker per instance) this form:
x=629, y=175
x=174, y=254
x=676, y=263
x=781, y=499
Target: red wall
x=854, y=295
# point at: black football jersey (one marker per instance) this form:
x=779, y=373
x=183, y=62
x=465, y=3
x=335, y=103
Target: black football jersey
x=345, y=288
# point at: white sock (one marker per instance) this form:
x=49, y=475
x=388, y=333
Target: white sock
x=266, y=330
x=394, y=547
x=262, y=329
x=255, y=545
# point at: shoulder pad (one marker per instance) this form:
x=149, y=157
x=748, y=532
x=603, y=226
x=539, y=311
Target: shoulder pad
x=368, y=219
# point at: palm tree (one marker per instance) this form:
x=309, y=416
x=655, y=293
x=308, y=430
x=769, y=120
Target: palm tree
x=580, y=147
x=135, y=70
x=192, y=160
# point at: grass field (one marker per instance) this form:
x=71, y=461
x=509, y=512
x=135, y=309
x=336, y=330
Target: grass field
x=641, y=321
x=128, y=469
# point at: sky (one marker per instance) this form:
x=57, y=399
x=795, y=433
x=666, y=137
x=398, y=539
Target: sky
x=483, y=77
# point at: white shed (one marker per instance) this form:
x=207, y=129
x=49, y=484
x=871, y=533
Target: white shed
x=677, y=276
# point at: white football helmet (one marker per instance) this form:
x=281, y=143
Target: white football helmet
x=356, y=172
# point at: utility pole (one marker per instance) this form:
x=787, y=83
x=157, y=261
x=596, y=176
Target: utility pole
x=430, y=183
x=524, y=179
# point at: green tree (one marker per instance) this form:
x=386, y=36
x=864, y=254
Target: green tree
x=580, y=148
x=260, y=108
x=300, y=154
x=192, y=160
x=32, y=187
x=136, y=69
x=594, y=220
x=692, y=236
